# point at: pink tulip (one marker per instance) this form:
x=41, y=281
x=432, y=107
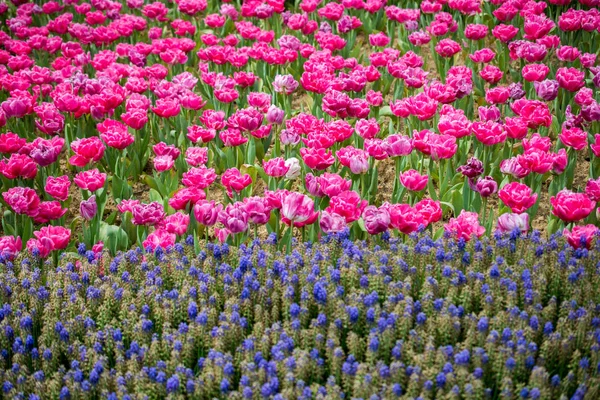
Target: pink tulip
x=11, y=143
x=176, y=223
x=233, y=180
x=465, y=226
x=163, y=163
x=404, y=217
x=57, y=235
x=333, y=184
x=258, y=210
x=159, y=238
x=234, y=217
x=186, y=196
x=332, y=223
x=509, y=222
x=10, y=246
x=414, y=181
x=570, y=79
x=276, y=167
x=115, y=134
x=376, y=220
x=347, y=204
x=18, y=166
x=206, y=212
x=574, y=137
x=91, y=180
x=86, y=151
x=200, y=177
x=222, y=234
x=148, y=214
x=592, y=189
x=570, y=206
x=48, y=211
x=22, y=200
x=196, y=156
x=163, y=149
x=430, y=210
x=318, y=159
x=517, y=197
x=397, y=145
x=298, y=210
x=581, y=236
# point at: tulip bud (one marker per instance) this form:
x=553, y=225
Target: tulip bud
x=486, y=186
x=88, y=208
x=275, y=115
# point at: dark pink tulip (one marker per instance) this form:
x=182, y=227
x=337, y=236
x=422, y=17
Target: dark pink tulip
x=517, y=196
x=574, y=137
x=18, y=166
x=86, y=150
x=58, y=187
x=11, y=143
x=570, y=79
x=570, y=206
x=22, y=200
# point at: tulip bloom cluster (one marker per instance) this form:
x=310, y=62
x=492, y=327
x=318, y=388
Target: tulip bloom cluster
x=127, y=123
x=512, y=314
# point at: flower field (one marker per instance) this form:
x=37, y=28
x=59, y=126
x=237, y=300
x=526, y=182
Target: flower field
x=299, y=199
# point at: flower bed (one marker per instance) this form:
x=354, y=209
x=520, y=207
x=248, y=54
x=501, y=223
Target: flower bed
x=140, y=123
x=503, y=317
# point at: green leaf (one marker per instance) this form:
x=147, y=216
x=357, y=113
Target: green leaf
x=8, y=228
x=449, y=205
x=155, y=196
x=111, y=218
x=251, y=151
x=114, y=237
x=385, y=111
x=150, y=181
x=431, y=190
x=361, y=224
